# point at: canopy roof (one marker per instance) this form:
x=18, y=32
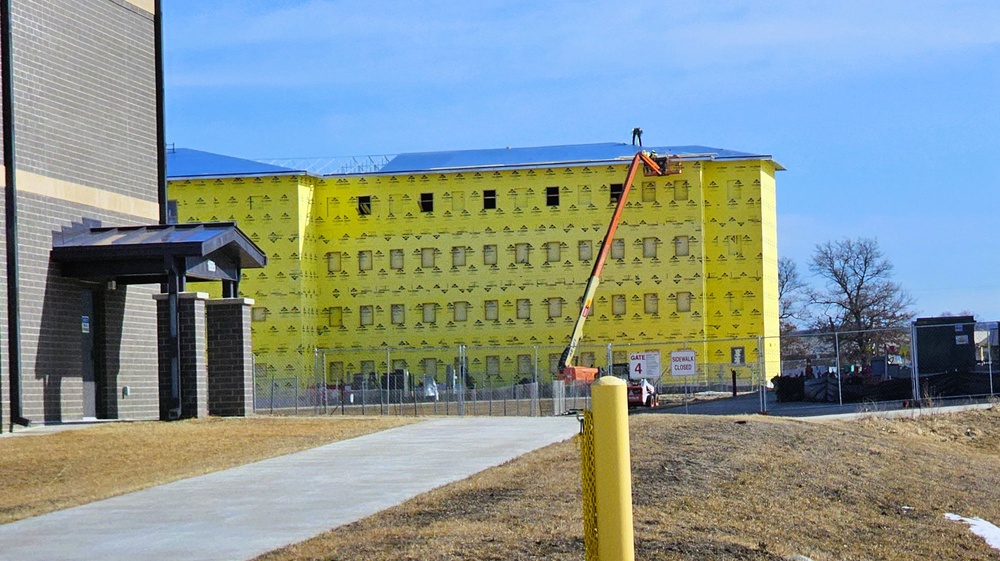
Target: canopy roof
x=146, y=254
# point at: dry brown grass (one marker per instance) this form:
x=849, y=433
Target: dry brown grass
x=717, y=488
x=51, y=472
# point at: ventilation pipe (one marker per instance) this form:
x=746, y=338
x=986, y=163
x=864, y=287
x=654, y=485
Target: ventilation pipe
x=10, y=214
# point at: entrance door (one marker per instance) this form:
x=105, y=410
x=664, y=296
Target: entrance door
x=87, y=368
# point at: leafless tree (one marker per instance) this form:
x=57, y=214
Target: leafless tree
x=791, y=292
x=859, y=297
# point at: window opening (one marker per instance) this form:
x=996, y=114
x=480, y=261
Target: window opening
x=618, y=248
x=490, y=254
x=521, y=253
x=523, y=308
x=364, y=205
x=616, y=192
x=426, y=202
x=489, y=199
x=618, y=304
x=683, y=301
x=551, y=196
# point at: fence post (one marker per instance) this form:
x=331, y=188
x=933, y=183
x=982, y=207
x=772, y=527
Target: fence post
x=534, y=408
x=612, y=470
x=534, y=372
x=989, y=353
x=388, y=377
x=915, y=374
x=840, y=376
x=460, y=384
x=319, y=381
x=763, y=375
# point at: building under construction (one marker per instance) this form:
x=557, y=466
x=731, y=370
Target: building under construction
x=422, y=253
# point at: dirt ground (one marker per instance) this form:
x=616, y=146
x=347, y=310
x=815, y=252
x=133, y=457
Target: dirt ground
x=55, y=471
x=749, y=488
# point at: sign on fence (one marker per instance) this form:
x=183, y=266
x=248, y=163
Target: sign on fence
x=644, y=365
x=682, y=363
x=737, y=356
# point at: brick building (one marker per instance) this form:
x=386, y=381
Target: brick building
x=84, y=115
x=83, y=198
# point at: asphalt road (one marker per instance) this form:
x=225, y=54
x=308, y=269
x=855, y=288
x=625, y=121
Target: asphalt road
x=751, y=404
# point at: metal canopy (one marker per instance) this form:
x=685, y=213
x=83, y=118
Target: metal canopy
x=148, y=254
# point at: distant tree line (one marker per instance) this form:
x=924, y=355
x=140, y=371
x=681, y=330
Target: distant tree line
x=855, y=296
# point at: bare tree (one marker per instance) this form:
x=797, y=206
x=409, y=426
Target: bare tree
x=791, y=293
x=859, y=296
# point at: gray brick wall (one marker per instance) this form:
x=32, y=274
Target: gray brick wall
x=230, y=357
x=127, y=354
x=85, y=113
x=50, y=324
x=85, y=93
x=4, y=388
x=194, y=355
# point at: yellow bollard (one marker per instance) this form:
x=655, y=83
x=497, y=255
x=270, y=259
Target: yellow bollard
x=613, y=470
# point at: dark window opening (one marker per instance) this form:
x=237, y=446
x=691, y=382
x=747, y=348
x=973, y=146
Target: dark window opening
x=171, y=212
x=616, y=192
x=364, y=205
x=426, y=202
x=489, y=199
x=552, y=196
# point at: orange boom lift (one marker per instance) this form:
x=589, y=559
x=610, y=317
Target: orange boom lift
x=653, y=165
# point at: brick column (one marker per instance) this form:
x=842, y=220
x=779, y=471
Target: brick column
x=230, y=357
x=194, y=354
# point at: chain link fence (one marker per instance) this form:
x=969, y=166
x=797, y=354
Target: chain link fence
x=932, y=361
x=489, y=380
x=938, y=359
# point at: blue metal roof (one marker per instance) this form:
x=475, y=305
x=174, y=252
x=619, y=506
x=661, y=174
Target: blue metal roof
x=576, y=153
x=187, y=163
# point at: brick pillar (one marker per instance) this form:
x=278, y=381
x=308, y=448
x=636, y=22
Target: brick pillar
x=230, y=357
x=194, y=354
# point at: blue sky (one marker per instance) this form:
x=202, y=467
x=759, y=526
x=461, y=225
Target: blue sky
x=885, y=113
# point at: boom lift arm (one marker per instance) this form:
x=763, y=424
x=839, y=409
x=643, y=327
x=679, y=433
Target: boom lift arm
x=653, y=166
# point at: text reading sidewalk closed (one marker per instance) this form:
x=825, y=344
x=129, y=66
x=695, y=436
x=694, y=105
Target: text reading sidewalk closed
x=682, y=363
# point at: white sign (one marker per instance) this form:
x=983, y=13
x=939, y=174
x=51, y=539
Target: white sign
x=644, y=365
x=683, y=363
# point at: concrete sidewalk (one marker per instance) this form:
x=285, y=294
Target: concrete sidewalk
x=246, y=511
